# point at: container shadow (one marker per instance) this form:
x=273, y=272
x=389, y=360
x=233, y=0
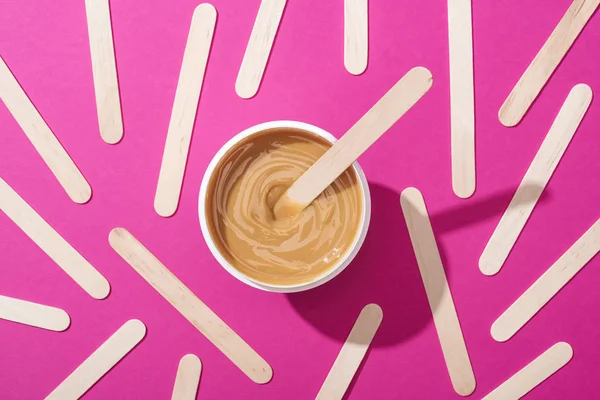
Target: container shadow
x=385, y=271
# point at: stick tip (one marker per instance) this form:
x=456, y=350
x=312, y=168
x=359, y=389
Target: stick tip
x=115, y=234
x=137, y=328
x=101, y=288
x=244, y=89
x=488, y=267
x=165, y=207
x=409, y=194
x=506, y=115
x=63, y=322
x=565, y=349
x=463, y=188
x=206, y=9
x=192, y=361
x=583, y=90
x=112, y=134
x=499, y=332
x=262, y=375
x=467, y=387
x=82, y=194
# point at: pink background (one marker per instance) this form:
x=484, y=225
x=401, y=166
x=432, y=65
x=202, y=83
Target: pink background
x=46, y=45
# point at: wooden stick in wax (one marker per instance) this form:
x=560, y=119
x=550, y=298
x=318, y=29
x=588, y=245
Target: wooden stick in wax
x=190, y=306
x=184, y=110
x=42, y=138
x=50, y=241
x=393, y=105
x=535, y=180
x=533, y=374
x=33, y=314
x=188, y=378
x=259, y=47
x=352, y=353
x=104, y=70
x=545, y=62
x=438, y=293
x=548, y=285
x=100, y=361
x=462, y=103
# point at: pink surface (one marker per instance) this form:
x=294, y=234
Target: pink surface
x=46, y=46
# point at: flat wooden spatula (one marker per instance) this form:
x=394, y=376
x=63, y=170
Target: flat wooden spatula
x=397, y=101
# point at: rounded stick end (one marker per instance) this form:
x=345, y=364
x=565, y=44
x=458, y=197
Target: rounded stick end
x=63, y=321
x=499, y=332
x=261, y=375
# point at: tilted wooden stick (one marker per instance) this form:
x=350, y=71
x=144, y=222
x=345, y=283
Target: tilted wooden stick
x=187, y=379
x=259, y=47
x=462, y=102
x=548, y=285
x=104, y=70
x=100, y=361
x=533, y=374
x=57, y=248
x=42, y=138
x=438, y=293
x=190, y=306
x=535, y=180
x=33, y=314
x=353, y=351
x=356, y=35
x=545, y=62
x=367, y=130
x=184, y=110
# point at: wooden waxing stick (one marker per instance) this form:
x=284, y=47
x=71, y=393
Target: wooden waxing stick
x=259, y=47
x=104, y=70
x=50, y=241
x=42, y=138
x=356, y=35
x=190, y=306
x=391, y=107
x=535, y=180
x=533, y=374
x=545, y=62
x=352, y=353
x=438, y=293
x=100, y=361
x=462, y=102
x=33, y=314
x=183, y=115
x=548, y=285
x=188, y=378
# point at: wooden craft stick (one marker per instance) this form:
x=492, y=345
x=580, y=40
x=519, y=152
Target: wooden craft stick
x=533, y=374
x=356, y=35
x=367, y=130
x=188, y=378
x=462, y=103
x=104, y=70
x=57, y=248
x=545, y=62
x=190, y=306
x=438, y=293
x=184, y=110
x=353, y=351
x=535, y=180
x=100, y=361
x=33, y=314
x=259, y=47
x=42, y=138
x=548, y=285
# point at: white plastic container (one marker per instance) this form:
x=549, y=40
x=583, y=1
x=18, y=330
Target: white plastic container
x=342, y=263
